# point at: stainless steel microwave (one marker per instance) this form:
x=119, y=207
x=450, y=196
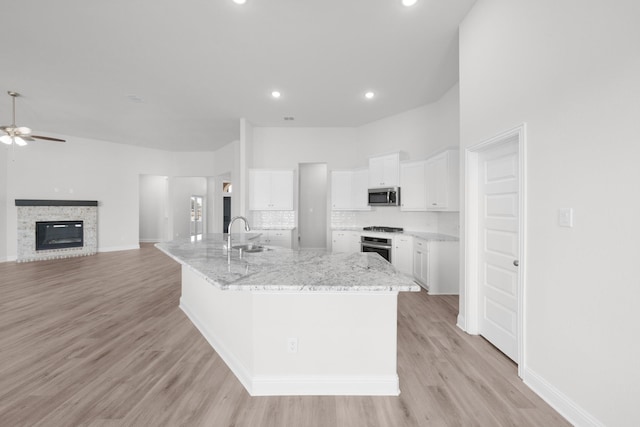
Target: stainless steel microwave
x=388, y=196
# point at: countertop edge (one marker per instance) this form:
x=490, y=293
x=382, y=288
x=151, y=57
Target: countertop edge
x=285, y=288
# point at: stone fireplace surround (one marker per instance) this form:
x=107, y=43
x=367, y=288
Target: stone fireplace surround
x=32, y=211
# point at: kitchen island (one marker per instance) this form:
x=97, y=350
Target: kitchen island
x=294, y=322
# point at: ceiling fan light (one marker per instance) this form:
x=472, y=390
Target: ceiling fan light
x=23, y=130
x=19, y=141
x=6, y=139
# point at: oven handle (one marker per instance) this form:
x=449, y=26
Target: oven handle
x=371, y=245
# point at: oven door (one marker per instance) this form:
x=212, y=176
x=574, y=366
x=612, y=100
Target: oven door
x=382, y=249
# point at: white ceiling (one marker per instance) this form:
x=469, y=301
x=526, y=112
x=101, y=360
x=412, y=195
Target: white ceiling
x=200, y=65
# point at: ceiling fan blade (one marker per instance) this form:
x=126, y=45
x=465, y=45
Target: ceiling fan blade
x=48, y=138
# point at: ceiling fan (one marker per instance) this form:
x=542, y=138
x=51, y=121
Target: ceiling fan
x=19, y=135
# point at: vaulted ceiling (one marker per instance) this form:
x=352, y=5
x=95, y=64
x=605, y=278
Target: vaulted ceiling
x=179, y=75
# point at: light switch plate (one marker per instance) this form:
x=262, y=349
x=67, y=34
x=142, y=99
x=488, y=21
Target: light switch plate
x=565, y=217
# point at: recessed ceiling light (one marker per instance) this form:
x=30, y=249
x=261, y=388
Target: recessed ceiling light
x=275, y=94
x=239, y=1
x=369, y=95
x=408, y=3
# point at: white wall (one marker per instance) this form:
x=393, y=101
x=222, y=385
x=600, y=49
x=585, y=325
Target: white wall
x=570, y=71
x=4, y=153
x=154, y=204
x=419, y=132
x=94, y=170
x=284, y=148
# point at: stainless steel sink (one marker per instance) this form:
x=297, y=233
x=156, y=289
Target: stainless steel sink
x=249, y=247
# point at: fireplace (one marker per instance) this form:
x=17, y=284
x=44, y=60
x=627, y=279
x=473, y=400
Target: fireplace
x=53, y=229
x=59, y=234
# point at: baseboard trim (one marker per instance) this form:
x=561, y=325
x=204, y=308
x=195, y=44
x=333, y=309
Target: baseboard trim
x=118, y=248
x=329, y=385
x=9, y=259
x=326, y=386
x=461, y=322
x=559, y=401
x=150, y=240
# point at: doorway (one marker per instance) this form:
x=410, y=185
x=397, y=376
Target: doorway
x=196, y=216
x=227, y=189
x=312, y=209
x=495, y=241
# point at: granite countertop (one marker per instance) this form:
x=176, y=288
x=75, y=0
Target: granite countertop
x=424, y=235
x=432, y=236
x=273, y=228
x=281, y=269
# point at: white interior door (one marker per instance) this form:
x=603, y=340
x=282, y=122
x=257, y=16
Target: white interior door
x=498, y=245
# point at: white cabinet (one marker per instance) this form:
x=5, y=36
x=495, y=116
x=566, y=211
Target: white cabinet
x=345, y=241
x=384, y=171
x=413, y=181
x=402, y=254
x=421, y=262
x=282, y=238
x=270, y=190
x=435, y=266
x=442, y=181
x=349, y=190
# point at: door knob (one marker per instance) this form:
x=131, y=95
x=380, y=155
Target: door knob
x=516, y=262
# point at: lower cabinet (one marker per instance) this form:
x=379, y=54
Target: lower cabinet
x=435, y=266
x=345, y=241
x=282, y=238
x=402, y=254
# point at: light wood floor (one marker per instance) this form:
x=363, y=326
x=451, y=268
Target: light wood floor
x=100, y=341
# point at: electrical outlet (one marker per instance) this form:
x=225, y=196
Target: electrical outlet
x=292, y=345
x=565, y=217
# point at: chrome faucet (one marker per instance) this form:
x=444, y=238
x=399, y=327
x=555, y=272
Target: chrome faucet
x=246, y=228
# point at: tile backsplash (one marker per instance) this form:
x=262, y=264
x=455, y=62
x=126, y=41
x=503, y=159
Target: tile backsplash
x=273, y=219
x=435, y=222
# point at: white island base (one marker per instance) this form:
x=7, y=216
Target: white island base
x=299, y=343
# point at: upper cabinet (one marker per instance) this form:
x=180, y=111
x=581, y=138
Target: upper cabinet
x=349, y=190
x=432, y=184
x=413, y=186
x=442, y=181
x=384, y=171
x=270, y=190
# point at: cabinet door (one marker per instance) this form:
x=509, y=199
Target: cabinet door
x=280, y=238
x=420, y=262
x=345, y=241
x=259, y=190
x=384, y=171
x=349, y=190
x=359, y=190
x=340, y=241
x=281, y=190
x=270, y=190
x=413, y=196
x=402, y=257
x=436, y=179
x=341, y=190
x=376, y=172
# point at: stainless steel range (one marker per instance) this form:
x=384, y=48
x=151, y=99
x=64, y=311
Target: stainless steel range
x=379, y=244
x=384, y=229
